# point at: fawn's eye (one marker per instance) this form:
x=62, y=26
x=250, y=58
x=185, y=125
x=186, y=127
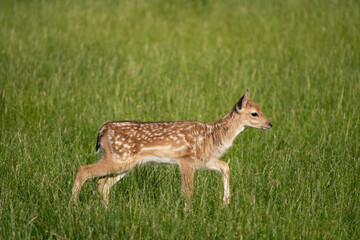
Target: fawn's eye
x=254, y=114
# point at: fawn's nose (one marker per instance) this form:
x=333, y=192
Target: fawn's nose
x=270, y=124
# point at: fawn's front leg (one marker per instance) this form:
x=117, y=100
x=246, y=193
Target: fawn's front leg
x=187, y=175
x=224, y=169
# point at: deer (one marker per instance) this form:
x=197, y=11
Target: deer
x=192, y=145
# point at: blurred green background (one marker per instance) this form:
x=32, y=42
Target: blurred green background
x=67, y=67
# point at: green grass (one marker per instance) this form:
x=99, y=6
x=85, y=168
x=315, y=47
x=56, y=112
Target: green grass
x=66, y=67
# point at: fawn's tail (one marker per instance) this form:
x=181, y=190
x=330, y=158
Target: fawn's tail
x=98, y=141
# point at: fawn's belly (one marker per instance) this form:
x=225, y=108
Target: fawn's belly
x=158, y=160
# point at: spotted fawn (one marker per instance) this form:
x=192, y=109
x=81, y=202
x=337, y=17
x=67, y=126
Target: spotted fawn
x=191, y=145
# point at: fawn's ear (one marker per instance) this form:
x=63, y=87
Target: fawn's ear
x=242, y=102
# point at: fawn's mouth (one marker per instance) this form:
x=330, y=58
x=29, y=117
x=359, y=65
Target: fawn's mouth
x=268, y=126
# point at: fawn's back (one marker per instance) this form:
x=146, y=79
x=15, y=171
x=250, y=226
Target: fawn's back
x=161, y=142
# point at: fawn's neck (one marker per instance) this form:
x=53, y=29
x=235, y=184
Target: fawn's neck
x=223, y=131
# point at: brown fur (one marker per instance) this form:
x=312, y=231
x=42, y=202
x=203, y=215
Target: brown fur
x=190, y=144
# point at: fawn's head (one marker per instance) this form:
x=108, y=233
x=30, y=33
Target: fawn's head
x=251, y=114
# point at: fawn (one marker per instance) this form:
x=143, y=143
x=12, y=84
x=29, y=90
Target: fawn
x=190, y=144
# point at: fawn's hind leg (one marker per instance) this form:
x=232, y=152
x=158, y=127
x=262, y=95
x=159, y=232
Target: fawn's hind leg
x=104, y=185
x=99, y=169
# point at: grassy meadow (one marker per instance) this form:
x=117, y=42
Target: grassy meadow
x=67, y=67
